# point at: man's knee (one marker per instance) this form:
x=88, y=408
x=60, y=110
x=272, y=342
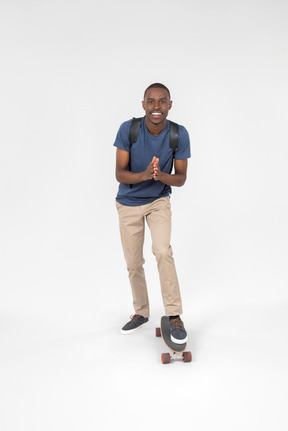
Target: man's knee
x=162, y=253
x=135, y=264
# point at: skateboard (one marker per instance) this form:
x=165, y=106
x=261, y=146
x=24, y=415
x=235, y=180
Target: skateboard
x=164, y=332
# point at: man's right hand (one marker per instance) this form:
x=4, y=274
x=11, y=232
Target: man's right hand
x=148, y=174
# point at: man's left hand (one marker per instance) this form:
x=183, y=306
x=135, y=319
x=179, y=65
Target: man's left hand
x=157, y=171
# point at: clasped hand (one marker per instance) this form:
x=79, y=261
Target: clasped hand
x=153, y=170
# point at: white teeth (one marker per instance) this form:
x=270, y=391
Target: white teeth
x=156, y=113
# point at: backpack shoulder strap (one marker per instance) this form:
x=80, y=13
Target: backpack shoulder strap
x=134, y=130
x=133, y=136
x=174, y=136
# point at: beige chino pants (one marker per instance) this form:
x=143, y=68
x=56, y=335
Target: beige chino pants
x=132, y=228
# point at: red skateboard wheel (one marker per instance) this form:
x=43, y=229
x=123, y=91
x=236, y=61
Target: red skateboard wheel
x=157, y=332
x=187, y=356
x=165, y=358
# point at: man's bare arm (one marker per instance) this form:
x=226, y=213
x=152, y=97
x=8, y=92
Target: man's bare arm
x=177, y=179
x=127, y=177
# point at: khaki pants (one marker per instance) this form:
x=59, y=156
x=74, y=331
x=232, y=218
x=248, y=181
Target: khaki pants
x=132, y=228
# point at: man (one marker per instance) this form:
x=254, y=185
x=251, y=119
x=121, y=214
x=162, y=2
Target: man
x=144, y=173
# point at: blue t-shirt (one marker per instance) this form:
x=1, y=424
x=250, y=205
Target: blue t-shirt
x=142, y=153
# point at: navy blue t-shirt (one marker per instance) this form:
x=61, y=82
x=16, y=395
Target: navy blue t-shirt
x=142, y=153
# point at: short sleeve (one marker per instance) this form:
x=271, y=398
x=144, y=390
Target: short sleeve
x=183, y=151
x=122, y=138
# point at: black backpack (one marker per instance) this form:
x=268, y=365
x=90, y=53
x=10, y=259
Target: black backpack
x=173, y=137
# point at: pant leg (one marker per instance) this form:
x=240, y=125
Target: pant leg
x=132, y=229
x=159, y=221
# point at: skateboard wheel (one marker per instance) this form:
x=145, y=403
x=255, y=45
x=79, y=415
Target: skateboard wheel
x=165, y=358
x=187, y=356
x=157, y=332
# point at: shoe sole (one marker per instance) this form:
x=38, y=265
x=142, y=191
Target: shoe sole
x=179, y=341
x=130, y=331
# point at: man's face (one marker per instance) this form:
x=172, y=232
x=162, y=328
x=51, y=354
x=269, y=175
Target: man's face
x=156, y=105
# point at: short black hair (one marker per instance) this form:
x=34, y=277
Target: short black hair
x=157, y=85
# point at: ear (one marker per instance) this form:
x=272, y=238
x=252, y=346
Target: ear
x=170, y=105
x=143, y=105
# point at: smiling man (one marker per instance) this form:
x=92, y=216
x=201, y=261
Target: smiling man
x=145, y=172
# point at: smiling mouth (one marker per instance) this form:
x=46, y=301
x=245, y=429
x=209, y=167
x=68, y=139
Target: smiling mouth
x=156, y=114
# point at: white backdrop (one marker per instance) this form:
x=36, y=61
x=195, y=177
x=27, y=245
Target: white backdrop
x=71, y=72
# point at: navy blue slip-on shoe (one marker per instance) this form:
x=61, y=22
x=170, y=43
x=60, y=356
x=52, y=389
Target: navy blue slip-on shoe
x=178, y=332
x=135, y=323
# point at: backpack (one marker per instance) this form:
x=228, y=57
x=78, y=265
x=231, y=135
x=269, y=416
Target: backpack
x=173, y=137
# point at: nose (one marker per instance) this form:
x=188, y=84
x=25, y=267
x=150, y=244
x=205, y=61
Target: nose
x=156, y=104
